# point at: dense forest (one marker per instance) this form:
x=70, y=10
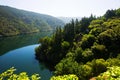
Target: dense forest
x=85, y=48
x=14, y=21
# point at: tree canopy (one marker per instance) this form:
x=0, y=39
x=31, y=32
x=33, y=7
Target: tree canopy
x=84, y=48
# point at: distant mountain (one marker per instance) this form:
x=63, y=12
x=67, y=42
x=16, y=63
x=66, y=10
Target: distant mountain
x=68, y=19
x=15, y=21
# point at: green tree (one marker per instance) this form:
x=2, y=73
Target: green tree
x=98, y=66
x=66, y=66
x=109, y=14
x=100, y=51
x=87, y=41
x=87, y=55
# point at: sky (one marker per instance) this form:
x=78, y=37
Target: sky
x=64, y=8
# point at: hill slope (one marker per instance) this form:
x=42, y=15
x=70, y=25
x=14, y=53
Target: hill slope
x=14, y=21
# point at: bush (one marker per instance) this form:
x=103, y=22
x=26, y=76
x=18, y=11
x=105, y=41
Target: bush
x=9, y=75
x=113, y=73
x=65, y=77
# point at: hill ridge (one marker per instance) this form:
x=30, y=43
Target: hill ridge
x=15, y=21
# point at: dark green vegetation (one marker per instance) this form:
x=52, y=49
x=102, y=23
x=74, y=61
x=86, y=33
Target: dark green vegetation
x=84, y=48
x=14, y=21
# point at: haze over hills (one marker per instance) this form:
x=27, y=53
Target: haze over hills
x=15, y=21
x=68, y=19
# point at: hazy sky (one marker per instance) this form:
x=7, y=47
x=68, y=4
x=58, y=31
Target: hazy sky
x=66, y=8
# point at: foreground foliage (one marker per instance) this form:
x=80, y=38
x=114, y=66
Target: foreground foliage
x=65, y=77
x=10, y=75
x=113, y=73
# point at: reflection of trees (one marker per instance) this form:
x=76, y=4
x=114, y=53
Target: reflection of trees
x=46, y=65
x=46, y=70
x=10, y=43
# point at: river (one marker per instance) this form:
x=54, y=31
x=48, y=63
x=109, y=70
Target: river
x=19, y=52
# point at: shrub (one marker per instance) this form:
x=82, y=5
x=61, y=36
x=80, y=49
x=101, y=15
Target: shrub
x=65, y=77
x=9, y=75
x=113, y=73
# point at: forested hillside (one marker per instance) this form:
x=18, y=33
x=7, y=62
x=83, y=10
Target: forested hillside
x=14, y=21
x=85, y=48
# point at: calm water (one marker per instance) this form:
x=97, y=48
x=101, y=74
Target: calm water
x=18, y=51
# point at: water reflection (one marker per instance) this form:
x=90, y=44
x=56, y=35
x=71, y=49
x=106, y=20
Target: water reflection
x=14, y=42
